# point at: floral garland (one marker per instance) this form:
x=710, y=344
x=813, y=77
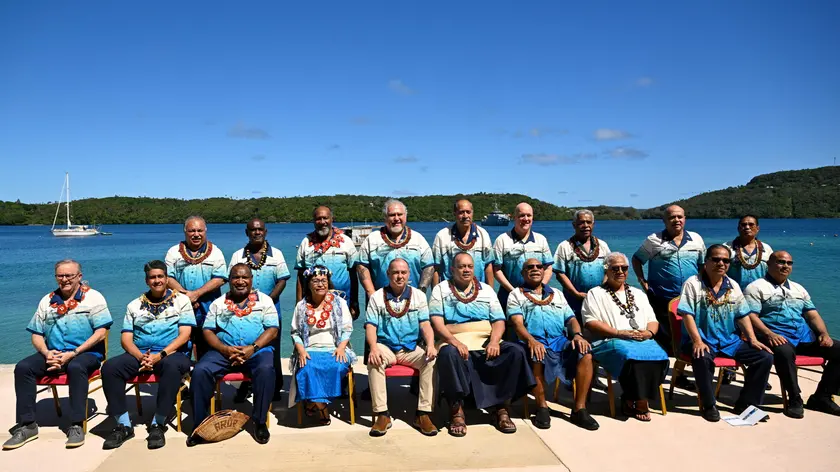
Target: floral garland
x=463, y=246
x=394, y=244
x=333, y=241
x=250, y=261
x=594, y=249
x=244, y=311
x=403, y=311
x=71, y=304
x=738, y=250
x=326, y=311
x=156, y=308
x=628, y=310
x=536, y=301
x=461, y=296
x=199, y=257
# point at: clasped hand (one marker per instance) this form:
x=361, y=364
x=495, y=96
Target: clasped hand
x=634, y=334
x=148, y=361
x=57, y=359
x=237, y=355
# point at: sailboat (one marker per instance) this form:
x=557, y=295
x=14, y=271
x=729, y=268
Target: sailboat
x=71, y=229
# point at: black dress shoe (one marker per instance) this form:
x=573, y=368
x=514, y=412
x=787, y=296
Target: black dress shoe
x=795, y=408
x=261, y=434
x=823, y=404
x=583, y=419
x=156, y=439
x=194, y=440
x=118, y=436
x=711, y=414
x=542, y=419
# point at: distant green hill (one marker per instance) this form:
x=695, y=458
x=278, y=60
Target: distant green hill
x=809, y=193
x=358, y=208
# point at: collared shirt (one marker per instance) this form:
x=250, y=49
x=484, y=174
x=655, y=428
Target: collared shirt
x=743, y=276
x=599, y=306
x=485, y=307
x=397, y=333
x=339, y=259
x=272, y=271
x=583, y=275
x=669, y=265
x=376, y=254
x=153, y=329
x=715, y=323
x=780, y=308
x=444, y=250
x=546, y=323
x=194, y=276
x=70, y=330
x=234, y=330
x=512, y=252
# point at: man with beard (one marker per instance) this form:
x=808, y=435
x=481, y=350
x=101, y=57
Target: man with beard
x=196, y=268
x=463, y=236
x=514, y=247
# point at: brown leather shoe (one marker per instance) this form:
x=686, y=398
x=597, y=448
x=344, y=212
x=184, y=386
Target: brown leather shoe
x=382, y=425
x=425, y=425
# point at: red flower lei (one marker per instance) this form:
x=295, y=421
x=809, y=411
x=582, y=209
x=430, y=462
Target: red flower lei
x=326, y=311
x=334, y=241
x=462, y=246
x=245, y=311
x=250, y=261
x=393, y=244
x=182, y=248
x=594, y=249
x=758, y=252
x=462, y=299
x=71, y=304
x=392, y=311
x=536, y=301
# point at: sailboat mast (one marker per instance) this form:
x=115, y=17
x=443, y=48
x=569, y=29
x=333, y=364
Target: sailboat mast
x=67, y=182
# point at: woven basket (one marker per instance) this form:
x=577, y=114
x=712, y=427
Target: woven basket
x=222, y=425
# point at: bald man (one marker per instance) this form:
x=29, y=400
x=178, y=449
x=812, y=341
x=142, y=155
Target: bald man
x=513, y=248
x=785, y=318
x=463, y=236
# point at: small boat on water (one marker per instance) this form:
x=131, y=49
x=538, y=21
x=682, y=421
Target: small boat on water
x=357, y=233
x=496, y=218
x=70, y=229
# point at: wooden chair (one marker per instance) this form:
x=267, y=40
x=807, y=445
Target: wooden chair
x=611, y=397
x=151, y=378
x=216, y=400
x=350, y=395
x=60, y=380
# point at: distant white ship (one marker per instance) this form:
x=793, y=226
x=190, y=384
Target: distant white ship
x=357, y=233
x=70, y=229
x=496, y=218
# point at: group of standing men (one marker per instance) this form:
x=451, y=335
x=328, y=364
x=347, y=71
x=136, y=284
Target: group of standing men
x=184, y=307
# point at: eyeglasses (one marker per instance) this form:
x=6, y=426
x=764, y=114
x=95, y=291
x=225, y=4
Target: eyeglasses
x=65, y=276
x=319, y=283
x=620, y=269
x=782, y=262
x=533, y=266
x=725, y=260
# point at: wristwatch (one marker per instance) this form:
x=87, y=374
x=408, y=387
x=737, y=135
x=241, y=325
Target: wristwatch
x=256, y=347
x=162, y=354
x=577, y=334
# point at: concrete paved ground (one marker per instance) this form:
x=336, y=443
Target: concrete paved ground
x=679, y=441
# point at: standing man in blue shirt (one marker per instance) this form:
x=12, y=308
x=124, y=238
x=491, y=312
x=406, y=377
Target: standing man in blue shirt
x=579, y=261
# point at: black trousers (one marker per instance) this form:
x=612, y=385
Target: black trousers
x=758, y=365
x=197, y=338
x=785, y=355
x=169, y=372
x=660, y=309
x=29, y=369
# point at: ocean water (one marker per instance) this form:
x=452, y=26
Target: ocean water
x=114, y=264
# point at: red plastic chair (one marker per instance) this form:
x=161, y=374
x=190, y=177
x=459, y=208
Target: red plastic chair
x=216, y=400
x=151, y=378
x=803, y=361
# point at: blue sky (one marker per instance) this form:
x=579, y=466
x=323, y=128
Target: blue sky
x=576, y=103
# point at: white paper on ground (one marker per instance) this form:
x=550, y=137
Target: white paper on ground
x=748, y=417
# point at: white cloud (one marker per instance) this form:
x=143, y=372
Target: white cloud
x=398, y=86
x=608, y=134
x=644, y=81
x=623, y=152
x=544, y=159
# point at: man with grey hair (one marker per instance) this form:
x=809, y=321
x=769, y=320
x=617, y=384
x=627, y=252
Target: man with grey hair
x=197, y=269
x=579, y=261
x=394, y=240
x=513, y=248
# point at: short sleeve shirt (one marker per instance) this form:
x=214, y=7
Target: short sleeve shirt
x=234, y=330
x=273, y=270
x=743, y=276
x=485, y=307
x=70, y=330
x=478, y=245
x=155, y=326
x=546, y=323
x=715, y=322
x=669, y=265
x=339, y=258
x=583, y=275
x=599, y=306
x=194, y=276
x=376, y=255
x=397, y=333
x=512, y=252
x=780, y=308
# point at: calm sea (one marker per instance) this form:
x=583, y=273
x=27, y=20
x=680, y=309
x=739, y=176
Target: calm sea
x=114, y=264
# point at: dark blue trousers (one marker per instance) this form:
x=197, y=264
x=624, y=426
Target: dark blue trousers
x=169, y=372
x=31, y=368
x=213, y=366
x=758, y=364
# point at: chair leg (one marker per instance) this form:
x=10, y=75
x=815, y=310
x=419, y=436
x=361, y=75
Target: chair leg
x=178, y=409
x=300, y=412
x=784, y=398
x=719, y=382
x=139, y=401
x=268, y=415
x=56, y=400
x=574, y=390
x=84, y=423
x=679, y=367
x=662, y=400
x=525, y=414
x=351, y=392
x=610, y=395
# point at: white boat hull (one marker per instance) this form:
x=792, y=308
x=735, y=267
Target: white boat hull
x=75, y=232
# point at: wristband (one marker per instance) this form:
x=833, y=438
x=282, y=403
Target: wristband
x=75, y=352
x=256, y=347
x=652, y=334
x=577, y=334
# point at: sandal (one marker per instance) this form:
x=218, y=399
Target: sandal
x=458, y=424
x=628, y=408
x=310, y=408
x=501, y=420
x=323, y=414
x=642, y=411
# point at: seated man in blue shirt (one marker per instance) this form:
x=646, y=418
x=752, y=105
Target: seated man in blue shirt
x=712, y=304
x=240, y=329
x=783, y=314
x=397, y=316
x=155, y=335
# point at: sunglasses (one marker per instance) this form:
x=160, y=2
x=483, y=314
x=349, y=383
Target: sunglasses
x=620, y=269
x=725, y=260
x=533, y=266
x=784, y=263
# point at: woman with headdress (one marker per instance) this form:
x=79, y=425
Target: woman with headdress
x=623, y=326
x=321, y=328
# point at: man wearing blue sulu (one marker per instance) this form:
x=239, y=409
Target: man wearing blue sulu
x=321, y=329
x=473, y=359
x=155, y=335
x=69, y=331
x=623, y=326
x=463, y=236
x=712, y=304
x=544, y=321
x=240, y=329
x=579, y=261
x=196, y=268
